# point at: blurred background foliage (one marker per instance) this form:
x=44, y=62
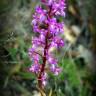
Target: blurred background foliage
x=77, y=58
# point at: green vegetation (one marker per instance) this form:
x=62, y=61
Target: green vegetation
x=78, y=76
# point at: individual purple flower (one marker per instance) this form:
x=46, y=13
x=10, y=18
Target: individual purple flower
x=34, y=67
x=42, y=37
x=57, y=41
x=43, y=78
x=33, y=55
x=38, y=41
x=56, y=70
x=55, y=27
x=51, y=60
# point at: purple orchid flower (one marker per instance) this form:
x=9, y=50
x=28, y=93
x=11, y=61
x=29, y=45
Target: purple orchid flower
x=46, y=25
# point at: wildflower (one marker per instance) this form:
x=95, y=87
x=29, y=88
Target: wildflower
x=46, y=25
x=34, y=67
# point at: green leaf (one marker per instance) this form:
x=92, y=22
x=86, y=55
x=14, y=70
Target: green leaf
x=13, y=52
x=69, y=69
x=26, y=75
